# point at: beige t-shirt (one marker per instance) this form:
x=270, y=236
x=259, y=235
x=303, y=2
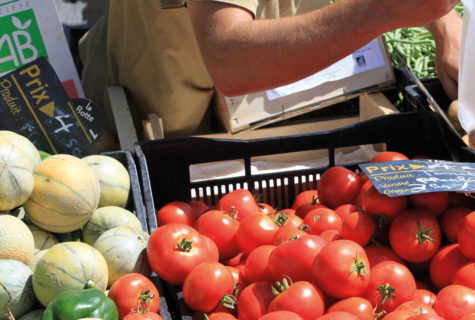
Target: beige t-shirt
x=153, y=54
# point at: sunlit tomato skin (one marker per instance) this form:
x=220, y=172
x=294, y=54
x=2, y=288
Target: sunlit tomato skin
x=466, y=236
x=391, y=282
x=301, y=297
x=240, y=202
x=425, y=296
x=388, y=156
x=256, y=267
x=338, y=185
x=398, y=315
x=357, y=306
x=180, y=246
x=454, y=302
x=126, y=292
x=176, y=212
x=331, y=235
x=445, y=263
x=425, y=316
x=266, y=208
x=450, y=221
x=307, y=196
x=465, y=275
x=345, y=209
x=341, y=269
x=321, y=219
x=358, y=227
x=415, y=307
x=415, y=235
x=222, y=228
x=305, y=208
x=254, y=300
x=221, y=316
x=286, y=233
x=375, y=203
x=142, y=316
x=206, y=285
x=255, y=230
x=280, y=315
x=294, y=259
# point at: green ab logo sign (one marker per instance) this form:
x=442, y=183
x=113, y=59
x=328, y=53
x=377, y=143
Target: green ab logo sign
x=20, y=40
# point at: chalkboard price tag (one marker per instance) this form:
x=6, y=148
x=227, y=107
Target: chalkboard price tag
x=34, y=103
x=405, y=177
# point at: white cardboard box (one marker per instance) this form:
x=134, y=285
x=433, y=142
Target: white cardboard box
x=366, y=70
x=32, y=29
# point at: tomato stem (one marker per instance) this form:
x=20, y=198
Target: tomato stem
x=280, y=218
x=229, y=301
x=387, y=292
x=423, y=235
x=185, y=245
x=359, y=267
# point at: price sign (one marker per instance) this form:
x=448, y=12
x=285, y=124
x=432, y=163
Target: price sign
x=405, y=177
x=34, y=103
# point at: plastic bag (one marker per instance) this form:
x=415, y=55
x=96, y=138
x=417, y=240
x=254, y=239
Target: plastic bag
x=466, y=90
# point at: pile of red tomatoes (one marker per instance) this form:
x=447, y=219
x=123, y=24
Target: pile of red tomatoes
x=343, y=251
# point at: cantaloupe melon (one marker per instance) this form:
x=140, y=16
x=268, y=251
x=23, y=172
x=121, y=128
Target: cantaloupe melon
x=68, y=265
x=23, y=143
x=43, y=239
x=106, y=218
x=15, y=277
x=37, y=254
x=16, y=175
x=16, y=239
x=122, y=248
x=65, y=195
x=113, y=177
x=33, y=315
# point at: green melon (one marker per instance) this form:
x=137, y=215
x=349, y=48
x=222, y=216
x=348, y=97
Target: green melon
x=68, y=265
x=65, y=195
x=15, y=277
x=43, y=239
x=123, y=248
x=16, y=175
x=106, y=218
x=113, y=177
x=33, y=315
x=25, y=144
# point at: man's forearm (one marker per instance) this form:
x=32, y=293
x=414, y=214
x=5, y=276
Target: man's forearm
x=245, y=55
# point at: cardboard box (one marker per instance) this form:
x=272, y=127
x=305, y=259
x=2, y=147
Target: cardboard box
x=367, y=70
x=32, y=29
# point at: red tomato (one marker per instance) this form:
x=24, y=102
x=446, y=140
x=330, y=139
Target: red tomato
x=222, y=228
x=176, y=212
x=379, y=253
x=254, y=300
x=198, y=206
x=425, y=316
x=375, y=203
x=321, y=219
x=255, y=230
x=221, y=316
x=391, y=282
x=435, y=202
x=286, y=233
x=280, y=315
x=174, y=249
x=305, y=208
x=282, y=219
x=358, y=227
x=398, y=315
x=338, y=315
x=301, y=297
x=415, y=307
x=466, y=236
x=345, y=209
x=294, y=259
x=331, y=235
x=307, y=196
x=364, y=187
x=357, y=306
x=470, y=316
x=206, y=285
x=338, y=185
x=240, y=281
x=266, y=208
x=256, y=267
x=445, y=263
x=341, y=269
x=425, y=296
x=388, y=156
x=134, y=292
x=454, y=302
x=240, y=201
x=465, y=275
x=142, y=316
x=415, y=235
x=450, y=221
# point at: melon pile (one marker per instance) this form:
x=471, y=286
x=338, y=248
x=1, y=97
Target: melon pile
x=63, y=224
